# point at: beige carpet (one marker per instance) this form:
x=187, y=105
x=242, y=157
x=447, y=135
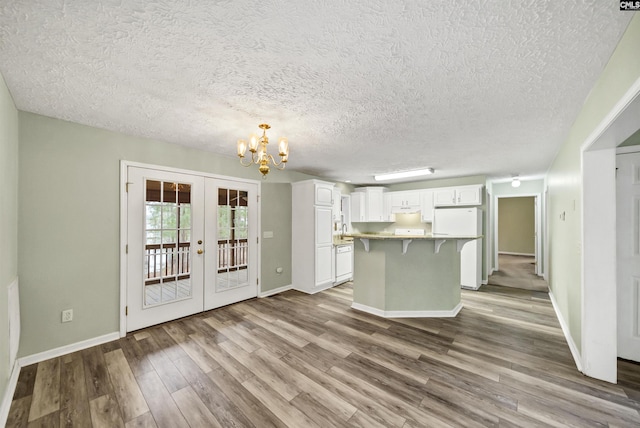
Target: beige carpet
x=518, y=272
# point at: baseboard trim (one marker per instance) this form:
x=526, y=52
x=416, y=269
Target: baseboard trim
x=407, y=314
x=5, y=406
x=567, y=334
x=509, y=253
x=67, y=349
x=275, y=291
x=325, y=287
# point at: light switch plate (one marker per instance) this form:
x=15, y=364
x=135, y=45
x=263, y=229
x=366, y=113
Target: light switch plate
x=267, y=234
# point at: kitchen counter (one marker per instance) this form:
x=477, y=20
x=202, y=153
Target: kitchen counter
x=394, y=279
x=391, y=236
x=337, y=240
x=438, y=239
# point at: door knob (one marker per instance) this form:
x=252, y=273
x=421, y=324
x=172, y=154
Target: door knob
x=200, y=251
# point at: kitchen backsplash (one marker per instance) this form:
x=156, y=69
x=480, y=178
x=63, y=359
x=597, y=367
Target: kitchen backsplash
x=403, y=221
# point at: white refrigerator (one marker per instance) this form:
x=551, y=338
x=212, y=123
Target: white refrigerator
x=463, y=222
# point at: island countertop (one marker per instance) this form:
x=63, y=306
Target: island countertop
x=391, y=236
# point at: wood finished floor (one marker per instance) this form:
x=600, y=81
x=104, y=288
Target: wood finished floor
x=296, y=360
x=518, y=272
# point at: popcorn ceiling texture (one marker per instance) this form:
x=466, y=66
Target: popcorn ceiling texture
x=359, y=87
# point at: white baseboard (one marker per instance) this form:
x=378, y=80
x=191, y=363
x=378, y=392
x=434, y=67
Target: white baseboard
x=275, y=291
x=567, y=334
x=509, y=253
x=5, y=406
x=326, y=287
x=407, y=314
x=67, y=349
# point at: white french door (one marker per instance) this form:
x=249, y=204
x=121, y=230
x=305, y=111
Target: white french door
x=191, y=244
x=628, y=255
x=231, y=272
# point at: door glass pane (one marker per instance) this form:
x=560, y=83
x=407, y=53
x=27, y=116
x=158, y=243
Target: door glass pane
x=232, y=239
x=167, y=242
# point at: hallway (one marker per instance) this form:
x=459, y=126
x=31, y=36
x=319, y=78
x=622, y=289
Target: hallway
x=518, y=272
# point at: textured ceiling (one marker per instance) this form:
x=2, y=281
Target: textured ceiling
x=359, y=87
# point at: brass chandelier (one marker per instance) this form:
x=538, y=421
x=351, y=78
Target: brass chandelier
x=259, y=156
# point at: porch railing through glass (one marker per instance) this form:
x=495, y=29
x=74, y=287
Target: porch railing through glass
x=172, y=260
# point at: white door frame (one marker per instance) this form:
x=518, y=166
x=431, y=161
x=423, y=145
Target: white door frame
x=599, y=286
x=537, y=220
x=124, y=165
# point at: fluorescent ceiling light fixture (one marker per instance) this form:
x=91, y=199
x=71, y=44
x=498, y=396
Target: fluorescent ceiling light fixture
x=404, y=174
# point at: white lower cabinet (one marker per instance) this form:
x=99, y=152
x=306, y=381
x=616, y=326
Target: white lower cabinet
x=312, y=237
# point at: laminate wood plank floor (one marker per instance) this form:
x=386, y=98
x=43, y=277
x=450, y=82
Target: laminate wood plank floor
x=297, y=360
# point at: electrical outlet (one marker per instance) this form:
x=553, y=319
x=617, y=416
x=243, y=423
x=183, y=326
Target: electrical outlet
x=67, y=315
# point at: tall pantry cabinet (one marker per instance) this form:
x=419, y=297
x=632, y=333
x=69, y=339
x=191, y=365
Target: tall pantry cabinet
x=312, y=236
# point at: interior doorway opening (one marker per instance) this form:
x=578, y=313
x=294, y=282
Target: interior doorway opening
x=517, y=229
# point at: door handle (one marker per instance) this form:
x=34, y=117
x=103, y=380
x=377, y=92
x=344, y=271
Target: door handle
x=200, y=251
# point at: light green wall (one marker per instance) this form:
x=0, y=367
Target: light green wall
x=276, y=218
x=69, y=222
x=442, y=182
x=634, y=140
x=516, y=225
x=565, y=182
x=8, y=220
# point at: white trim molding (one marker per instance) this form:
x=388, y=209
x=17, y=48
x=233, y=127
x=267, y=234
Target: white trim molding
x=598, y=245
x=314, y=291
x=510, y=253
x=275, y=291
x=67, y=349
x=407, y=314
x=567, y=333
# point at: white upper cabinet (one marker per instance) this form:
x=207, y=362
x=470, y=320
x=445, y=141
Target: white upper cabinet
x=405, y=201
x=368, y=205
x=324, y=194
x=426, y=206
x=375, y=204
x=469, y=195
x=337, y=205
x=358, y=213
x=457, y=196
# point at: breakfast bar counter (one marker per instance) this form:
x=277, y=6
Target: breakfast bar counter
x=407, y=276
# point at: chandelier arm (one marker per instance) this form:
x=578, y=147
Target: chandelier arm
x=278, y=165
x=246, y=164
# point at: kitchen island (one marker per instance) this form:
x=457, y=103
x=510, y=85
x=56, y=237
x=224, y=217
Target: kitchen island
x=407, y=276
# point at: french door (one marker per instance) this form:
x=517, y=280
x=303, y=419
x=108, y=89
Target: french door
x=191, y=244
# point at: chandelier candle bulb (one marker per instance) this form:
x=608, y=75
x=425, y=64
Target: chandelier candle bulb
x=253, y=143
x=283, y=148
x=242, y=148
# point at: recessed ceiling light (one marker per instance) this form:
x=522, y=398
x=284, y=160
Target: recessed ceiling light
x=404, y=174
x=347, y=181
